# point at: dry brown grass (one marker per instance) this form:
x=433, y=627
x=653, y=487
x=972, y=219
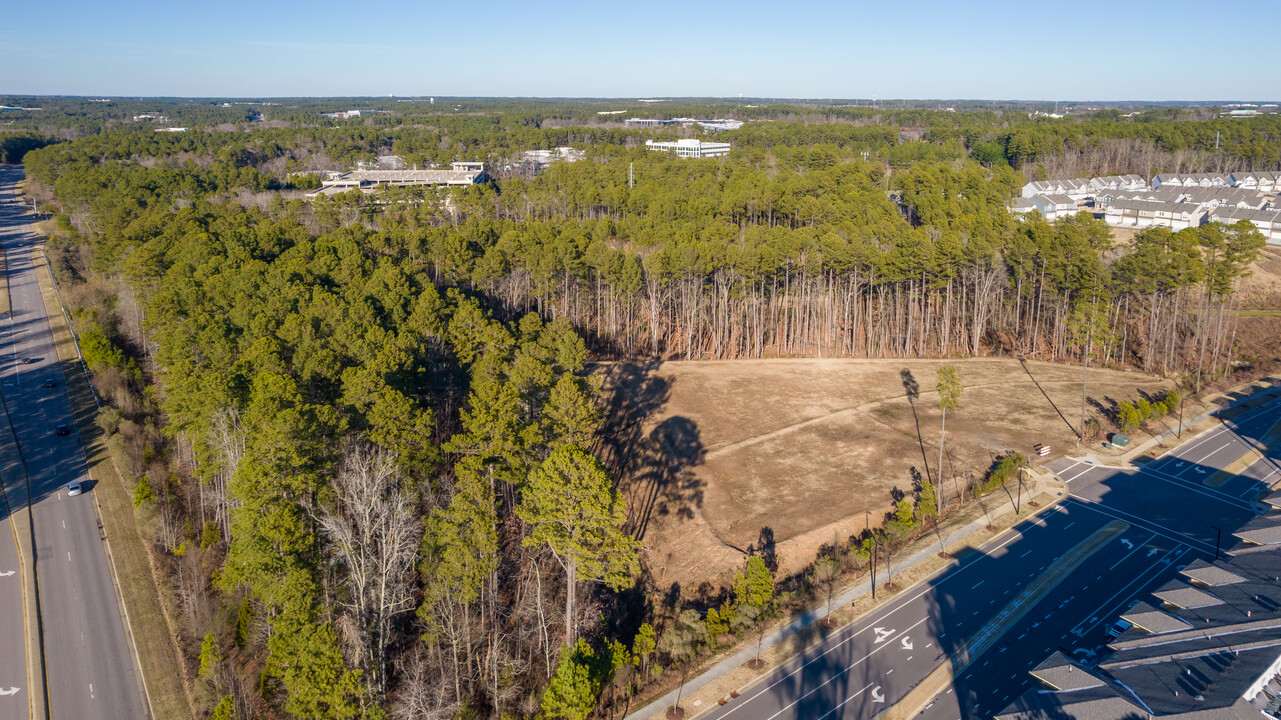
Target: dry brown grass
x=730, y=454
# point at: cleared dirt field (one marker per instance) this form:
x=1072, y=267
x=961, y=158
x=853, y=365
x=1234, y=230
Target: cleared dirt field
x=720, y=456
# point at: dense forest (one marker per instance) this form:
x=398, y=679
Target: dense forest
x=365, y=433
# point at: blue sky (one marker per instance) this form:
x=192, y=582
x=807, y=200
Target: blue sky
x=801, y=48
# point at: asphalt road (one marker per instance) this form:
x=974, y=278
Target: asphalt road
x=1164, y=517
x=88, y=662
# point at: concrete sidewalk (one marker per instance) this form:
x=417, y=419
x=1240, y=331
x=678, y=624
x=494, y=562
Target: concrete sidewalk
x=844, y=599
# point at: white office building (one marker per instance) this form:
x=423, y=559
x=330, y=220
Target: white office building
x=688, y=148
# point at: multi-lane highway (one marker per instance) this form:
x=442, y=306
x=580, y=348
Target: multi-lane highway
x=88, y=660
x=1056, y=582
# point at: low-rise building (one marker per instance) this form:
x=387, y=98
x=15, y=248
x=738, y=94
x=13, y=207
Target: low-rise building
x=690, y=148
x=1213, y=197
x=1267, y=221
x=645, y=123
x=535, y=161
x=1021, y=206
x=461, y=174
x=1264, y=181
x=1208, y=648
x=1053, y=207
x=1191, y=180
x=1128, y=213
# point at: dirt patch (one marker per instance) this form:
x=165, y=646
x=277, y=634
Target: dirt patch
x=719, y=458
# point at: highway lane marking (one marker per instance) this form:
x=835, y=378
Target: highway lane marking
x=1209, y=492
x=1174, y=535
x=1108, y=615
x=976, y=587
x=1158, y=567
x=1135, y=549
x=1029, y=552
x=836, y=675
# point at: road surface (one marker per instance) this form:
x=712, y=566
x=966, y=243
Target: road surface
x=88, y=660
x=1115, y=538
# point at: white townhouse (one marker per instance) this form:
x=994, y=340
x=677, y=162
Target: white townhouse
x=1264, y=181
x=1054, y=206
x=1267, y=221
x=1124, y=212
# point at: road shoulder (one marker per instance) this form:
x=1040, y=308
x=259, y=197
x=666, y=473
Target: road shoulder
x=151, y=633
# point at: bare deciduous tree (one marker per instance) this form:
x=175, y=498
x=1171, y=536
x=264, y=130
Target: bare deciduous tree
x=374, y=532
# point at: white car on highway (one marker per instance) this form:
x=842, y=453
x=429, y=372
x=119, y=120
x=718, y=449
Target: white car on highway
x=73, y=488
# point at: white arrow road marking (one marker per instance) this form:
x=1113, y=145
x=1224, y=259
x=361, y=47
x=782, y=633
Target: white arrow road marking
x=1178, y=464
x=1153, y=551
x=6, y=573
x=907, y=643
x=10, y=691
x=877, y=695
x=1201, y=470
x=1128, y=545
x=882, y=634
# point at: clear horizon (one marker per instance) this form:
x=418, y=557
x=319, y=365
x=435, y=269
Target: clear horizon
x=813, y=50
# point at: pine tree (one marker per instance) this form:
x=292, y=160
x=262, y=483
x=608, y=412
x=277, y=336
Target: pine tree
x=575, y=510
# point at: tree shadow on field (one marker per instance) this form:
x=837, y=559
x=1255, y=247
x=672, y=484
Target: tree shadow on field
x=1063, y=417
x=653, y=469
x=913, y=391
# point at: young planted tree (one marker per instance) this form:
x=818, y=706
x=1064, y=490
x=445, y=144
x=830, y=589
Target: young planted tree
x=897, y=528
x=680, y=644
x=754, y=599
x=949, y=389
x=825, y=573
x=927, y=505
x=574, y=509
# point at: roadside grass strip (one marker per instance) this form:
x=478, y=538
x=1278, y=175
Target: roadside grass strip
x=150, y=627
x=981, y=641
x=1238, y=466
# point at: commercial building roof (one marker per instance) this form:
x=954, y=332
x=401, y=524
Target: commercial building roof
x=1151, y=620
x=1181, y=595
x=1210, y=574
x=1201, y=660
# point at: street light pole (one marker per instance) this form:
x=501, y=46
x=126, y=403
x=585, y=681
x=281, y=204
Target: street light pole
x=1218, y=534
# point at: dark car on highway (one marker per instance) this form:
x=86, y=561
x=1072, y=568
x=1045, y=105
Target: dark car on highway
x=50, y=383
x=63, y=430
x=27, y=361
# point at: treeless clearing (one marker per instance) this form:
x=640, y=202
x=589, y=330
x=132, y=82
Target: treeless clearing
x=783, y=456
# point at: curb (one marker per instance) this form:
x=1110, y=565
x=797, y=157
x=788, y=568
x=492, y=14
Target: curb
x=816, y=613
x=97, y=507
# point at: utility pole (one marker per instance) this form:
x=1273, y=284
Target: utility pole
x=1085, y=369
x=1216, y=139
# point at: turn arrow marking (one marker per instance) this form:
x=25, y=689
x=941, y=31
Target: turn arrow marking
x=10, y=691
x=1128, y=545
x=877, y=695
x=6, y=573
x=907, y=643
x=1152, y=552
x=882, y=634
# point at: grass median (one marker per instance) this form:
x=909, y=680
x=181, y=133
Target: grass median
x=149, y=621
